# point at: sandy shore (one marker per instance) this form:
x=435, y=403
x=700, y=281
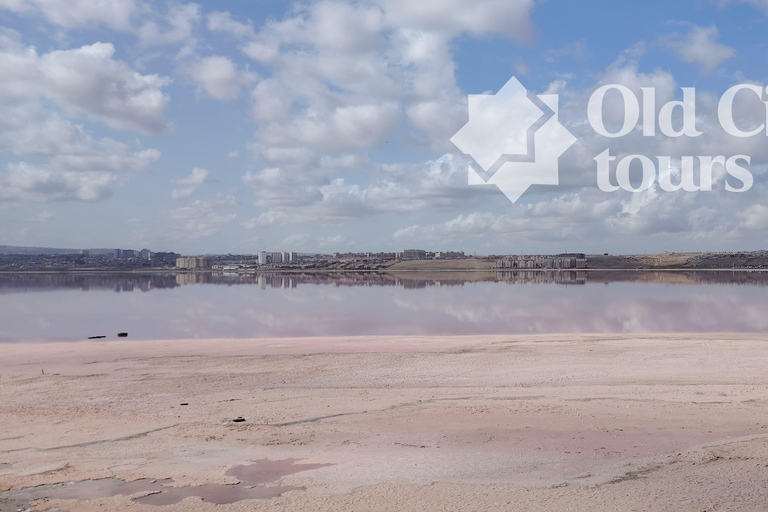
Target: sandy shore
x=550, y=423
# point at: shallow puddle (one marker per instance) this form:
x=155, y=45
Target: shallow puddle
x=251, y=477
x=214, y=493
x=265, y=471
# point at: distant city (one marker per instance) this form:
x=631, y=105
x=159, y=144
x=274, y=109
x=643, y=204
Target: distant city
x=129, y=259
x=31, y=259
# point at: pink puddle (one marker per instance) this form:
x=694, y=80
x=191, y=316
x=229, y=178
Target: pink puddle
x=251, y=477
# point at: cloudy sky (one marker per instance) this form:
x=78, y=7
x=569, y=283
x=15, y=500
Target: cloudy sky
x=237, y=126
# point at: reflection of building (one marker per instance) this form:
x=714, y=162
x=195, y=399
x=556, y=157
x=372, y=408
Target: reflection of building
x=193, y=262
x=182, y=279
x=414, y=254
x=560, y=261
x=566, y=277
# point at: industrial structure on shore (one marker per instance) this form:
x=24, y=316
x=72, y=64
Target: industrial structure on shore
x=557, y=262
x=193, y=262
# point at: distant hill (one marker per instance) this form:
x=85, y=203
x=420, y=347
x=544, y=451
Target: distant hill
x=12, y=249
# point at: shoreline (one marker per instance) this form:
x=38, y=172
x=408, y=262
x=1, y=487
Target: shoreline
x=549, y=422
x=383, y=271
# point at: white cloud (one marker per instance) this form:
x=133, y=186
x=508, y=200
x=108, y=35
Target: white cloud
x=86, y=81
x=189, y=183
x=198, y=177
x=203, y=218
x=302, y=241
x=266, y=219
x=115, y=14
x=700, y=46
x=222, y=21
x=344, y=74
x=521, y=68
x=107, y=155
x=39, y=96
x=87, y=176
x=28, y=128
x=219, y=77
x=757, y=3
x=478, y=17
x=173, y=27
x=26, y=183
x=575, y=50
x=755, y=217
x=433, y=186
x=298, y=240
x=44, y=216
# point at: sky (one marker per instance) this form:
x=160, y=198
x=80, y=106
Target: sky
x=323, y=126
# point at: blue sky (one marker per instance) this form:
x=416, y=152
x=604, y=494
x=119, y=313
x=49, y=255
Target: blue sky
x=215, y=127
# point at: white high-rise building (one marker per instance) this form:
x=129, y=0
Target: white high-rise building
x=262, y=258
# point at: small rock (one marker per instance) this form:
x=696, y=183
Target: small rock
x=239, y=419
x=122, y=335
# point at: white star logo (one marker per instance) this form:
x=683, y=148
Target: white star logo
x=514, y=138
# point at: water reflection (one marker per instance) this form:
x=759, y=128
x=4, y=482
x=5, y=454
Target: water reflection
x=218, y=305
x=128, y=282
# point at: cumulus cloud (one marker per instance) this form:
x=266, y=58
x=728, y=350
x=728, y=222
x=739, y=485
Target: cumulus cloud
x=219, y=77
x=395, y=188
x=107, y=155
x=575, y=50
x=700, y=46
x=85, y=81
x=757, y=3
x=344, y=75
x=222, y=21
x=115, y=14
x=43, y=100
x=506, y=17
x=26, y=183
x=44, y=216
x=190, y=183
x=87, y=176
x=204, y=218
x=578, y=211
x=172, y=27
x=29, y=128
x=302, y=241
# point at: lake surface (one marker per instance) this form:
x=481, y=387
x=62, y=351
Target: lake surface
x=36, y=307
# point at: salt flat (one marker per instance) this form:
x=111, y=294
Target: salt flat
x=556, y=422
